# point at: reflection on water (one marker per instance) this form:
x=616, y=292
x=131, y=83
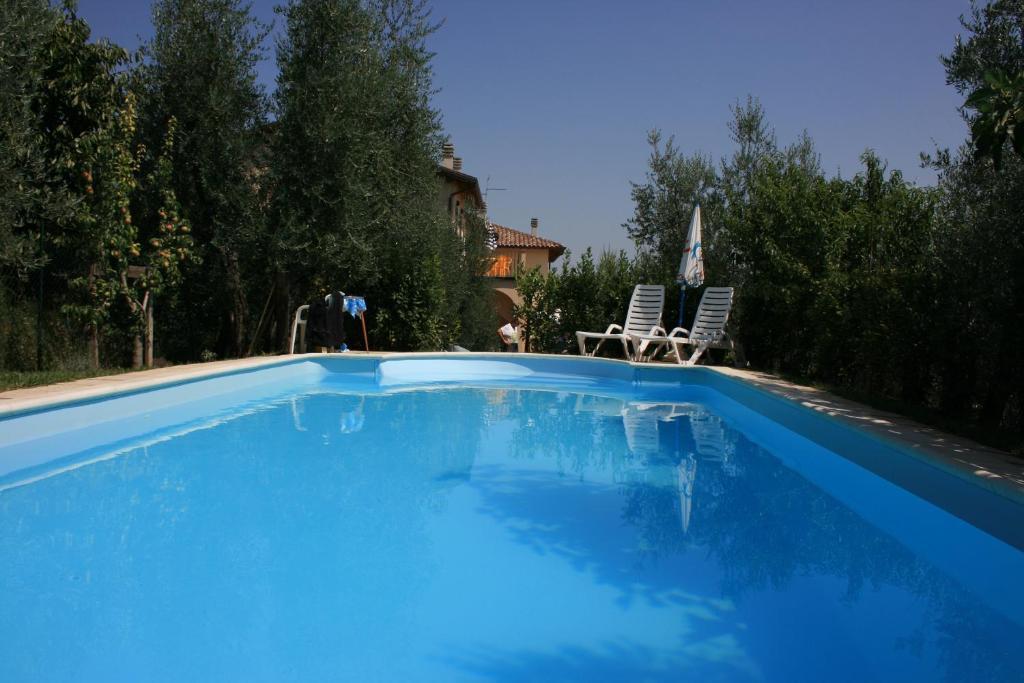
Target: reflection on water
x=351, y=419
x=470, y=534
x=645, y=426
x=690, y=484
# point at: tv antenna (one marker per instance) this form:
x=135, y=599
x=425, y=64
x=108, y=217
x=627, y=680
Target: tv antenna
x=488, y=188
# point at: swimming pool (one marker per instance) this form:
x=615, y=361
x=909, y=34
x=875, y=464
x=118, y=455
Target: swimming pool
x=454, y=519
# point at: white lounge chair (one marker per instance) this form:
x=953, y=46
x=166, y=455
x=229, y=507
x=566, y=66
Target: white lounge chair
x=642, y=318
x=708, y=329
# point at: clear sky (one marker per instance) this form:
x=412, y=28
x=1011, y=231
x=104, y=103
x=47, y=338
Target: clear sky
x=552, y=100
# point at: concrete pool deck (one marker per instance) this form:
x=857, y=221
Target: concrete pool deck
x=991, y=468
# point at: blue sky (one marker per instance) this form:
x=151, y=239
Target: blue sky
x=553, y=100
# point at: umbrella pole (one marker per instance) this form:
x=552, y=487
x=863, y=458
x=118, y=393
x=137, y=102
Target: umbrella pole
x=682, y=303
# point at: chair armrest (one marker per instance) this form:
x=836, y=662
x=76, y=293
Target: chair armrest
x=682, y=330
x=613, y=328
x=657, y=331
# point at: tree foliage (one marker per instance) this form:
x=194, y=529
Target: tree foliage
x=169, y=162
x=354, y=173
x=858, y=282
x=1000, y=118
x=989, y=66
x=201, y=72
x=75, y=169
x=110, y=241
x=581, y=295
x=29, y=191
x=871, y=283
x=980, y=239
x=674, y=183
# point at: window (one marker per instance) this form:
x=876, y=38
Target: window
x=501, y=266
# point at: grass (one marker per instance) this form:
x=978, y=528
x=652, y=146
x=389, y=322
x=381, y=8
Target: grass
x=11, y=379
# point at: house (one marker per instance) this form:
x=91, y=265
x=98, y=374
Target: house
x=516, y=251
x=459, y=192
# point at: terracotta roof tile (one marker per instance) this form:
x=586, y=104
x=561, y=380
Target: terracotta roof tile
x=516, y=239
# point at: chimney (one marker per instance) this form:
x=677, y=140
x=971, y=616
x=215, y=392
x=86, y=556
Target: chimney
x=533, y=226
x=447, y=152
x=457, y=164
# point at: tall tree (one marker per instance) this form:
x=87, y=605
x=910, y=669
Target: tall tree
x=980, y=237
x=78, y=113
x=29, y=192
x=1000, y=118
x=111, y=241
x=75, y=170
x=990, y=66
x=995, y=31
x=201, y=72
x=663, y=203
x=354, y=171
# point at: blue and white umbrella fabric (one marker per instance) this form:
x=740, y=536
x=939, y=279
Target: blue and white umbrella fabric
x=691, y=268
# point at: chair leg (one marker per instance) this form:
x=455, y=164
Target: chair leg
x=678, y=353
x=647, y=347
x=697, y=354
x=580, y=339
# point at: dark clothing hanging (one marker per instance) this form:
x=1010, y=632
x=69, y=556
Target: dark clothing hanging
x=316, y=324
x=325, y=323
x=336, y=320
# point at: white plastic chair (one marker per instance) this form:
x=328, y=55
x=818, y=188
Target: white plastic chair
x=299, y=329
x=642, y=318
x=708, y=329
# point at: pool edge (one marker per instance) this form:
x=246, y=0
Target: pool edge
x=990, y=474
x=987, y=468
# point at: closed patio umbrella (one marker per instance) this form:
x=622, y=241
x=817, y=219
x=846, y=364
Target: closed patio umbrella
x=686, y=472
x=691, y=268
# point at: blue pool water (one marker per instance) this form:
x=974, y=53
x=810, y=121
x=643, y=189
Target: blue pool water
x=348, y=527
